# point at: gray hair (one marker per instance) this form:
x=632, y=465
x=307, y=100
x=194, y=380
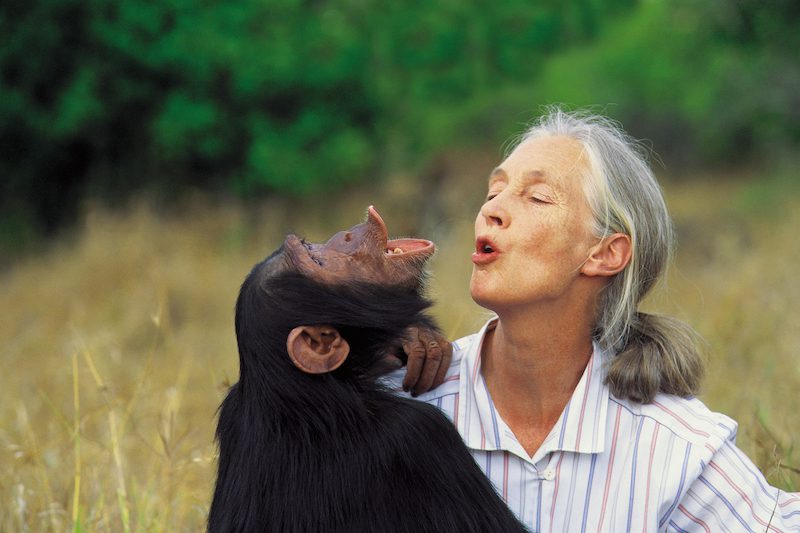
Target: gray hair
x=653, y=353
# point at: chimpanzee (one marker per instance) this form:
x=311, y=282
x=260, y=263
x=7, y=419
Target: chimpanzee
x=309, y=440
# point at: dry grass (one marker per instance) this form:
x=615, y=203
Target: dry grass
x=118, y=342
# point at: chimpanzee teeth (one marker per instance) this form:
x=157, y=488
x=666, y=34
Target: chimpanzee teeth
x=395, y=251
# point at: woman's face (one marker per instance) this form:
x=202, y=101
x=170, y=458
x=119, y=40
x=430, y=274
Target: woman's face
x=533, y=233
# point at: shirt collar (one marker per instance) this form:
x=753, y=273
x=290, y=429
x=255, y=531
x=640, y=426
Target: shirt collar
x=580, y=428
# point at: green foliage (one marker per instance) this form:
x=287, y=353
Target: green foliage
x=709, y=81
x=104, y=97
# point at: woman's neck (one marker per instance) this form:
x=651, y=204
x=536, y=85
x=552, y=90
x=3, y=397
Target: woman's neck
x=532, y=362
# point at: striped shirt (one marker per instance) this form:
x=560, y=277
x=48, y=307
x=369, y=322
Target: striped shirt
x=610, y=464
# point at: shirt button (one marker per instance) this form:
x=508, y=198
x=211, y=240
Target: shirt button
x=549, y=474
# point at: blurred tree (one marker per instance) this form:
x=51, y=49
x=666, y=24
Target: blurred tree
x=105, y=97
x=708, y=82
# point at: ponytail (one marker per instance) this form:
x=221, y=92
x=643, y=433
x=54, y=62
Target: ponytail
x=661, y=355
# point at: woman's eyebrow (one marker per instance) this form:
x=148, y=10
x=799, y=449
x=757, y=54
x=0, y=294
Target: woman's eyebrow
x=534, y=175
x=496, y=175
x=499, y=174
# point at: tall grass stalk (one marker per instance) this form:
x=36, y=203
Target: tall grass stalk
x=76, y=403
x=47, y=497
x=122, y=493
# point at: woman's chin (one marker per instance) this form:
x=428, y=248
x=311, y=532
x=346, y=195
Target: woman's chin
x=483, y=298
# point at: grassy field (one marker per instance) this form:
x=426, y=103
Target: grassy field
x=117, y=341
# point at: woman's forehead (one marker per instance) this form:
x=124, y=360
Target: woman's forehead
x=554, y=159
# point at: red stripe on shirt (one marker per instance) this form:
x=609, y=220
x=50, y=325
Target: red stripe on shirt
x=741, y=493
x=693, y=518
x=610, y=468
x=649, y=474
x=681, y=420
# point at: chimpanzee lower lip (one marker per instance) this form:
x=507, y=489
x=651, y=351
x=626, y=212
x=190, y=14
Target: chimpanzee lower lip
x=406, y=247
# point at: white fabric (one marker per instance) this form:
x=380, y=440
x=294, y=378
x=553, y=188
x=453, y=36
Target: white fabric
x=610, y=464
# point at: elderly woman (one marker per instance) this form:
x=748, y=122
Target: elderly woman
x=578, y=406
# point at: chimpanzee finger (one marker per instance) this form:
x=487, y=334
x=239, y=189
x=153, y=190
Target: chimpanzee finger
x=433, y=360
x=415, y=352
x=447, y=357
x=389, y=363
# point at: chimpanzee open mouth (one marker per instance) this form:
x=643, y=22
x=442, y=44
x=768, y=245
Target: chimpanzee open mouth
x=370, y=238
x=394, y=247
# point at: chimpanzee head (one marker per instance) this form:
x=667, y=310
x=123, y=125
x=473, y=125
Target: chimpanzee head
x=318, y=303
x=361, y=254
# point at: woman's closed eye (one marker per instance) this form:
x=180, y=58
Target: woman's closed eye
x=492, y=193
x=542, y=199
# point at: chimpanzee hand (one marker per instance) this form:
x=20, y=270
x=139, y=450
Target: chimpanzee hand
x=429, y=355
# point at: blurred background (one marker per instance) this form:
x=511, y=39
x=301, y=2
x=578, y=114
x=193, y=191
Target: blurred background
x=152, y=151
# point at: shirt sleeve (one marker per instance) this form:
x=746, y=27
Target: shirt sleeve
x=731, y=494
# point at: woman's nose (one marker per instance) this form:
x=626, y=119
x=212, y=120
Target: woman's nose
x=494, y=213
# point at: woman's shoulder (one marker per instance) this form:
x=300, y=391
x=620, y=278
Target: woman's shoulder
x=687, y=418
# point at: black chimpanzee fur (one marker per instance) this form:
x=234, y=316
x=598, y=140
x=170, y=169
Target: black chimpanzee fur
x=336, y=452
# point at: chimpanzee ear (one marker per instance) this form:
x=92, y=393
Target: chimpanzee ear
x=316, y=349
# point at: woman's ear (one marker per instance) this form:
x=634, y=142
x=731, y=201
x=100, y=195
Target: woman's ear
x=609, y=257
x=316, y=349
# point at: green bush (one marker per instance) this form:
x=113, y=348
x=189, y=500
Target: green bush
x=709, y=82
x=106, y=97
